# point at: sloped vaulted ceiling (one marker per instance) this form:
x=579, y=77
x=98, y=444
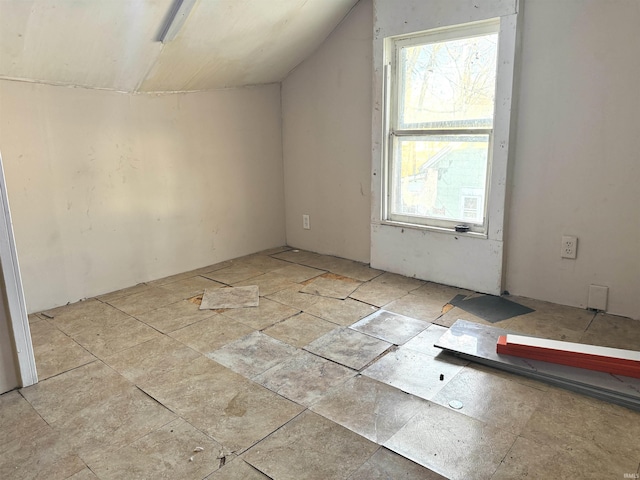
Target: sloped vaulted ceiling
x=114, y=44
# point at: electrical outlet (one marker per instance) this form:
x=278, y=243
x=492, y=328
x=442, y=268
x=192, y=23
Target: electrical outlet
x=569, y=246
x=305, y=222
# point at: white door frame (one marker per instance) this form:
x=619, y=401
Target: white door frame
x=17, y=307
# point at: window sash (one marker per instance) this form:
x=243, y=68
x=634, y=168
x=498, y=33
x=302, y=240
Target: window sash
x=425, y=220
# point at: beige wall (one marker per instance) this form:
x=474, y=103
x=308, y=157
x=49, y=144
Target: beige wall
x=326, y=105
x=577, y=160
x=108, y=189
x=576, y=167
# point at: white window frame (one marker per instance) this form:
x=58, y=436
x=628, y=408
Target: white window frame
x=391, y=61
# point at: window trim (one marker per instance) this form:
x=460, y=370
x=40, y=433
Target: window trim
x=390, y=88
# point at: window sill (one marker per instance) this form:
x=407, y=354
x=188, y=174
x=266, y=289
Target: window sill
x=430, y=228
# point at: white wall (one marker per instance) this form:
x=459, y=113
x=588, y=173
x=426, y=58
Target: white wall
x=326, y=105
x=108, y=189
x=577, y=168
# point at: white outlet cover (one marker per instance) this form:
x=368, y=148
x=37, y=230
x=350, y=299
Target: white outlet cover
x=598, y=296
x=569, y=247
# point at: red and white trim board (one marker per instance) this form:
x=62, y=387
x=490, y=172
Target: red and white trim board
x=591, y=357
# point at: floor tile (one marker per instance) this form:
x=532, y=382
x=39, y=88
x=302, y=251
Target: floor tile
x=368, y=407
x=167, y=452
x=141, y=287
x=452, y=444
x=35, y=317
x=55, y=352
x=348, y=347
x=341, y=312
x=304, y=377
x=111, y=337
x=234, y=273
x=264, y=315
x=563, y=415
x=45, y=455
x=237, y=469
x=81, y=316
x=415, y=372
x=95, y=409
x=222, y=404
x=274, y=250
x=174, y=316
x=294, y=298
x=252, y=354
x=315, y=448
x=301, y=257
x=540, y=326
x=265, y=263
x=416, y=306
x=407, y=284
x=584, y=459
x=512, y=377
x=211, y=333
x=84, y=474
x=349, y=268
x=151, y=358
x=18, y=419
x=387, y=465
x=322, y=262
x=571, y=318
x=424, y=341
x=268, y=283
x=613, y=331
x=230, y=297
x=150, y=299
x=192, y=286
x=377, y=294
x=390, y=327
x=331, y=285
x=300, y=330
x=64, y=395
x=297, y=273
x=113, y=424
x=438, y=293
x=491, y=399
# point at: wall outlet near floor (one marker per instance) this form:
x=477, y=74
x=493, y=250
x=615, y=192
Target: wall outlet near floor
x=598, y=296
x=305, y=222
x=569, y=246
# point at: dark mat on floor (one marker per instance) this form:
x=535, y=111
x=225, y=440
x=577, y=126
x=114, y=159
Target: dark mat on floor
x=490, y=308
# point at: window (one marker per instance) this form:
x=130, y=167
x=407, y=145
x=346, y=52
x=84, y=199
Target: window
x=439, y=129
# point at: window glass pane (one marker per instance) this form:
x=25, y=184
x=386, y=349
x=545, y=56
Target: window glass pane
x=442, y=177
x=449, y=84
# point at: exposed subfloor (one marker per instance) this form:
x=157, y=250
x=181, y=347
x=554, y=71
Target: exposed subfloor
x=312, y=384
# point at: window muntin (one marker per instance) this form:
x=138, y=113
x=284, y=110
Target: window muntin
x=440, y=127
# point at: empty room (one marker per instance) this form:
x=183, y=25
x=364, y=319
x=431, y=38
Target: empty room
x=319, y=239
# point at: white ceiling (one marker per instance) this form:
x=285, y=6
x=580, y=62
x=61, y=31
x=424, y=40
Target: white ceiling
x=113, y=44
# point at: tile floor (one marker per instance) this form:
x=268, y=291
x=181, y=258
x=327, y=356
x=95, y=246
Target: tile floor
x=333, y=376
